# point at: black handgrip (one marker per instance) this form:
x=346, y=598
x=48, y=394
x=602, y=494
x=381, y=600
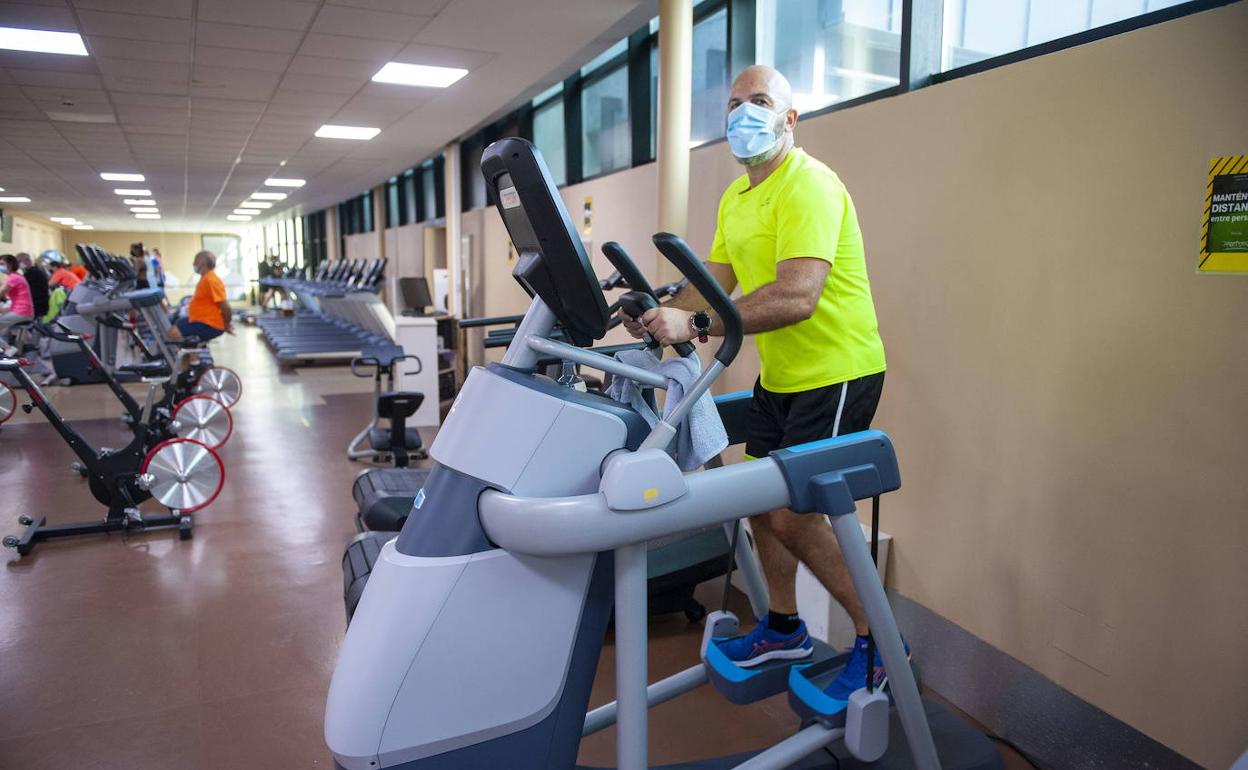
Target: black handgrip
x=627, y=269
x=613, y=281
x=620, y=260
x=634, y=304
x=682, y=257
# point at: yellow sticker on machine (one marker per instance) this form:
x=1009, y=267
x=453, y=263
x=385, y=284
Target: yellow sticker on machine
x=1224, y=228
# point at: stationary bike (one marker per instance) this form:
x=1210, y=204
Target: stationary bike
x=182, y=474
x=173, y=415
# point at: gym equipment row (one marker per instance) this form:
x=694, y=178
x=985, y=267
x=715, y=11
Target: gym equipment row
x=338, y=314
x=176, y=431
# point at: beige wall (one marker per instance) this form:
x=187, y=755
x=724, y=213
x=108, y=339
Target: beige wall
x=1066, y=395
x=177, y=249
x=32, y=236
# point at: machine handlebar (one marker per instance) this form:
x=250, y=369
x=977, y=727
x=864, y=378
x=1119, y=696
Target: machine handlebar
x=682, y=257
x=642, y=297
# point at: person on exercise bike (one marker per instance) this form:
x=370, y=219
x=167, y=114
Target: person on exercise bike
x=20, y=306
x=209, y=315
x=787, y=233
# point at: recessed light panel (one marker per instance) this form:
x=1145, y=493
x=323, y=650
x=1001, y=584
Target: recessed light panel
x=418, y=75
x=135, y=192
x=64, y=220
x=275, y=182
x=42, y=41
x=14, y=199
x=361, y=133
x=108, y=176
x=248, y=212
x=269, y=196
x=84, y=227
x=139, y=202
x=257, y=204
x=238, y=218
x=147, y=216
x=145, y=210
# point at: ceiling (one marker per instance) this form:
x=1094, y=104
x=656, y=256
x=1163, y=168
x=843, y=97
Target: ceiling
x=208, y=98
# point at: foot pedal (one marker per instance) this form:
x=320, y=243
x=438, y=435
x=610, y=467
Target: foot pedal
x=807, y=698
x=742, y=685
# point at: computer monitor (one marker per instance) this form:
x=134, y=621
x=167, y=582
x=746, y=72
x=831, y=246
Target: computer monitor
x=415, y=294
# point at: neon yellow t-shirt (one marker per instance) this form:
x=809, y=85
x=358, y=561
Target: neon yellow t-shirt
x=803, y=210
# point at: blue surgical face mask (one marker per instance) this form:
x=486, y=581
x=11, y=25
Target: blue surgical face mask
x=751, y=130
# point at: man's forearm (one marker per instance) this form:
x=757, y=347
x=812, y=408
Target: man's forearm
x=768, y=307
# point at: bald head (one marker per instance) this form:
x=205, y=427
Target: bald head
x=761, y=85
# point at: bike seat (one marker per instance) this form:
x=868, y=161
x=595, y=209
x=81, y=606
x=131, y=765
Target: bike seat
x=146, y=369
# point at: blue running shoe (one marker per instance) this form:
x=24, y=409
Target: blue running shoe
x=854, y=675
x=762, y=644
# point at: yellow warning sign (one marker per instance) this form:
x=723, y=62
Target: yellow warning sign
x=1224, y=228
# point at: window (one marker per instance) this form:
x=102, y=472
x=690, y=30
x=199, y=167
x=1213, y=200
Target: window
x=410, y=211
x=605, y=139
x=979, y=29
x=711, y=79
x=831, y=50
x=429, y=187
x=606, y=56
x=548, y=136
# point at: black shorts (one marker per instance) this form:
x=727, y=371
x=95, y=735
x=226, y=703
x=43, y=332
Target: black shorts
x=778, y=420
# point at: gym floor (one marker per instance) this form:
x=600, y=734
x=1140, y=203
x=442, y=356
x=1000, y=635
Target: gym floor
x=144, y=652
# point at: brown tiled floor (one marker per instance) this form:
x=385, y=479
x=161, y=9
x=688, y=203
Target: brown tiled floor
x=146, y=652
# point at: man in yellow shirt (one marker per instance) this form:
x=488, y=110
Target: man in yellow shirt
x=208, y=315
x=788, y=235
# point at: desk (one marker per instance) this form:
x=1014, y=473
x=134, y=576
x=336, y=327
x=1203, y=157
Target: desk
x=418, y=335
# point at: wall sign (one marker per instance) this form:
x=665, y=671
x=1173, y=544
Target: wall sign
x=1224, y=228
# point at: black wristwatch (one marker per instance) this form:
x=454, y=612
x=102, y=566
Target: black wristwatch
x=701, y=323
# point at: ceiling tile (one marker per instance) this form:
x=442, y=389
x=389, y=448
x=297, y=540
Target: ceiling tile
x=139, y=27
x=333, y=85
x=179, y=9
x=376, y=25
x=419, y=53
x=266, y=61
x=53, y=17
x=346, y=68
x=46, y=61
x=417, y=7
x=342, y=47
x=278, y=14
x=165, y=82
x=49, y=79
x=309, y=98
x=250, y=38
x=145, y=50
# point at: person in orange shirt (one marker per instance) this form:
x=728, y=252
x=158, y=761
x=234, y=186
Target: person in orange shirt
x=209, y=314
x=60, y=275
x=79, y=272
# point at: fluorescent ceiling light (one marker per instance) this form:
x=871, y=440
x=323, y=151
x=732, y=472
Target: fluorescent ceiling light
x=238, y=218
x=275, y=182
x=42, y=41
x=1, y=189
x=111, y=177
x=257, y=204
x=14, y=199
x=418, y=75
x=362, y=133
x=248, y=212
x=147, y=216
x=84, y=227
x=139, y=202
x=135, y=192
x=145, y=210
x=64, y=220
x=269, y=196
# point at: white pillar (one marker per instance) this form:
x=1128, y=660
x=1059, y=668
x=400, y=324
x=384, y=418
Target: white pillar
x=454, y=209
x=674, y=119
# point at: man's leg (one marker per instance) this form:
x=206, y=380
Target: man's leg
x=806, y=538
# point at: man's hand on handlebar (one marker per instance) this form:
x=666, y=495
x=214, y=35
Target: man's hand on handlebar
x=634, y=326
x=668, y=325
